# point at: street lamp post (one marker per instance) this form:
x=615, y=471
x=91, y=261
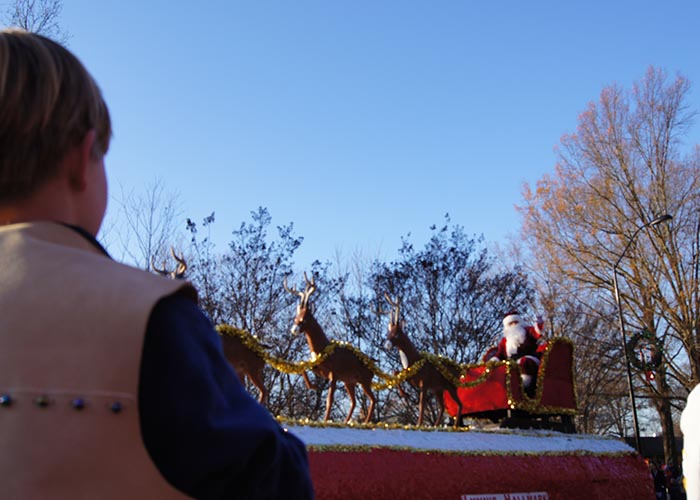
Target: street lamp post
x=658, y=220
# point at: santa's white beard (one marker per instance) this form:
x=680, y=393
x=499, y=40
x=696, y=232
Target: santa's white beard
x=515, y=336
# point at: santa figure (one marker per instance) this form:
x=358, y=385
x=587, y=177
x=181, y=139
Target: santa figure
x=524, y=344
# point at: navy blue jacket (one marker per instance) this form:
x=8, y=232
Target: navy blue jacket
x=206, y=435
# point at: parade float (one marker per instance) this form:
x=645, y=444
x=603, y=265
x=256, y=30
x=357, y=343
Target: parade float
x=511, y=445
x=507, y=440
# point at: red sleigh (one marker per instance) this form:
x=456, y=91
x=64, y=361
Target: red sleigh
x=493, y=390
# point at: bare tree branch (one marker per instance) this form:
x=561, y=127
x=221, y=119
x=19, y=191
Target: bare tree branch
x=38, y=16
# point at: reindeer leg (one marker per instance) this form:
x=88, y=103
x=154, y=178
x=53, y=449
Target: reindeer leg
x=458, y=418
x=308, y=383
x=441, y=406
x=329, y=399
x=351, y=392
x=258, y=382
x=421, y=400
x=368, y=392
x=399, y=388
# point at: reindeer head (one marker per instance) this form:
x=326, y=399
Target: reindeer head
x=395, y=329
x=178, y=273
x=304, y=309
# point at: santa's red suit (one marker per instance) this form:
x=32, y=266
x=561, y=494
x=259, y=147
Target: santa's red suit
x=522, y=343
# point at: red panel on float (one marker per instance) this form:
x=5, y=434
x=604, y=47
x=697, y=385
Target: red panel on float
x=387, y=474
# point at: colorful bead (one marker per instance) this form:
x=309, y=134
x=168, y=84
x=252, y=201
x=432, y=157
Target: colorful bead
x=116, y=407
x=5, y=400
x=78, y=403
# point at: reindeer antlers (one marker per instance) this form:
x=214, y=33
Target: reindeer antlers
x=310, y=288
x=292, y=290
x=396, y=304
x=181, y=264
x=179, y=272
x=161, y=270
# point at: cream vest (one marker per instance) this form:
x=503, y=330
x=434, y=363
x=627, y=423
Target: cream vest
x=72, y=323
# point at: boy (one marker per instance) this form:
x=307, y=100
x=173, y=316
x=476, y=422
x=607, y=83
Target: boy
x=112, y=381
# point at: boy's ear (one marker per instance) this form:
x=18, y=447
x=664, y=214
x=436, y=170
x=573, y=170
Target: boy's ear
x=78, y=161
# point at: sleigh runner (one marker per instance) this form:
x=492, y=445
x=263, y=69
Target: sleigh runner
x=494, y=391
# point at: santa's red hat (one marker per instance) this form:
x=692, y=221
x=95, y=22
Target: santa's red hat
x=511, y=316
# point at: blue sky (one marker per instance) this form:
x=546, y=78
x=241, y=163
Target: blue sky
x=362, y=121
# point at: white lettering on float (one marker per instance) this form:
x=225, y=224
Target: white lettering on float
x=539, y=495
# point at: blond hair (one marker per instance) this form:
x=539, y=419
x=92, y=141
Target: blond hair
x=48, y=102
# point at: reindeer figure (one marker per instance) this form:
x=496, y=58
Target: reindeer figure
x=428, y=377
x=244, y=360
x=178, y=273
x=342, y=364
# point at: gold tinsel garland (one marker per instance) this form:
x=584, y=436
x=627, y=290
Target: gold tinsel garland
x=361, y=425
x=289, y=367
x=390, y=381
x=305, y=422
x=473, y=453
x=439, y=362
x=278, y=364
